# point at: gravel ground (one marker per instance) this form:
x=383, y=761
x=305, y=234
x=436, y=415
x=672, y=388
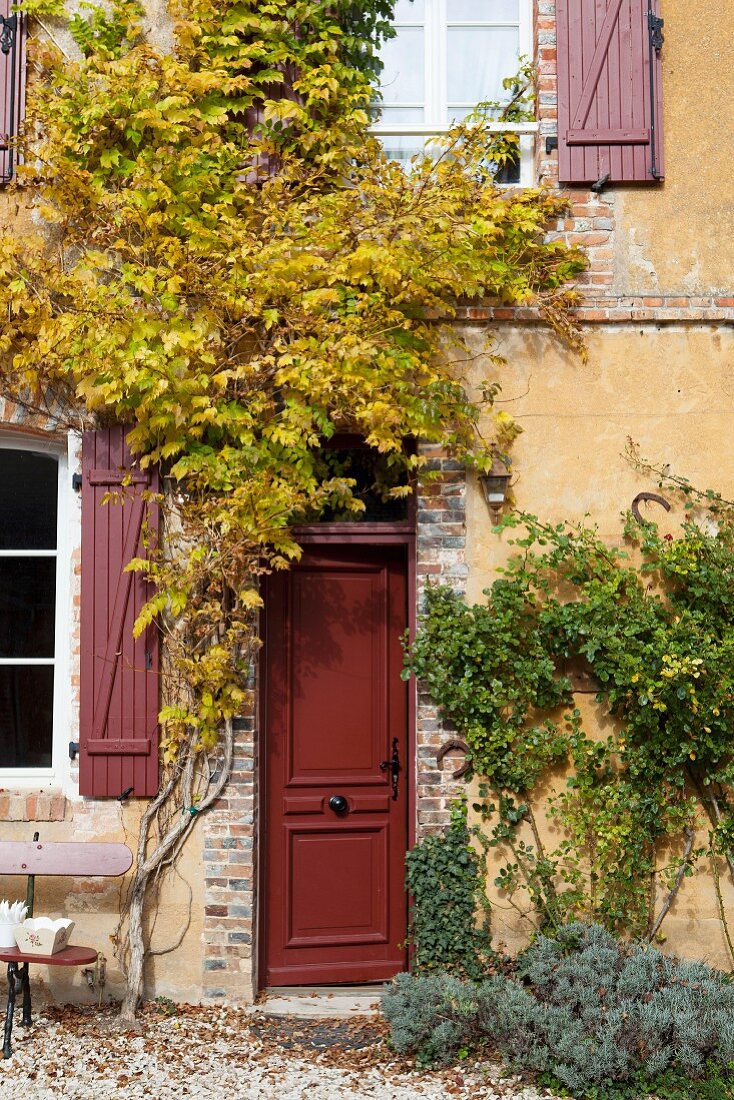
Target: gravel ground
x=227, y=1054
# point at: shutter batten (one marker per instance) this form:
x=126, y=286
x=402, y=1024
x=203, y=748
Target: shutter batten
x=609, y=91
x=119, y=673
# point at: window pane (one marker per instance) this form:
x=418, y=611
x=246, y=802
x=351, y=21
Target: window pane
x=402, y=148
x=26, y=716
x=409, y=11
x=402, y=80
x=27, y=607
x=478, y=61
x=482, y=11
x=28, y=500
x=509, y=172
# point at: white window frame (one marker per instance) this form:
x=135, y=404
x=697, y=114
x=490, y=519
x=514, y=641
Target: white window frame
x=436, y=84
x=57, y=775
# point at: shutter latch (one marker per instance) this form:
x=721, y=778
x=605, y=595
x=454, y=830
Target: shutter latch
x=73, y=750
x=655, y=26
x=9, y=27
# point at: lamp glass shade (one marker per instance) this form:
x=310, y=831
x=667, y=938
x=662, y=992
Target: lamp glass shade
x=495, y=488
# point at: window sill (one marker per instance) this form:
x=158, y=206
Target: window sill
x=23, y=778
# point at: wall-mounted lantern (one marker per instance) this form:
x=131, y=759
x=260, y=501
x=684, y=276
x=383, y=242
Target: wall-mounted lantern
x=496, y=484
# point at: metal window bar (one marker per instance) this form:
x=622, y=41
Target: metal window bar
x=11, y=28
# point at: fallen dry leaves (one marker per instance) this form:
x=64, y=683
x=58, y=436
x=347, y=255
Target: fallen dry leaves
x=227, y=1054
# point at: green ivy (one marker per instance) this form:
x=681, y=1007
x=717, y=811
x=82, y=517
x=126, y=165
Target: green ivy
x=655, y=622
x=445, y=879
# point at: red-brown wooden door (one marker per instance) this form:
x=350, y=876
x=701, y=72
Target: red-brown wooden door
x=336, y=709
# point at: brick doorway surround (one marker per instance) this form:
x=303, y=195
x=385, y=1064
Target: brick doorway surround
x=230, y=834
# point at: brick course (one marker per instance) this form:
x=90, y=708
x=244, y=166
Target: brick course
x=230, y=879
x=440, y=559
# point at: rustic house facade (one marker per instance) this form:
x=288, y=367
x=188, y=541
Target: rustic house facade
x=296, y=877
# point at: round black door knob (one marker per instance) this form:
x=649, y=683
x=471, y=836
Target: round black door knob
x=338, y=804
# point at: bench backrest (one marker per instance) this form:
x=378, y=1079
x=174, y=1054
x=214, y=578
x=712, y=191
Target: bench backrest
x=38, y=857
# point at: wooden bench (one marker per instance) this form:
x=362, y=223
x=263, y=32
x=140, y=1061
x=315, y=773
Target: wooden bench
x=34, y=858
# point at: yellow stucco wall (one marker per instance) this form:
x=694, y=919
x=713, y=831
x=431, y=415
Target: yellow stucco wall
x=679, y=238
x=671, y=389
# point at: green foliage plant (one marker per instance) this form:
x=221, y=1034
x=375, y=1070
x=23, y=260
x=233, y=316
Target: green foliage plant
x=654, y=622
x=446, y=883
x=226, y=261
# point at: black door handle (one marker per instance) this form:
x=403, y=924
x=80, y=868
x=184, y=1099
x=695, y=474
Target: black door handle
x=338, y=804
x=394, y=765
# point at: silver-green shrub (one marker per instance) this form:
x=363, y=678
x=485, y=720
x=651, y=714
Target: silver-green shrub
x=630, y=1009
x=587, y=1009
x=433, y=1017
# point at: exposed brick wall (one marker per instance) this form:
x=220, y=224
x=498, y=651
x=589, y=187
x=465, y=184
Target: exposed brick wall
x=230, y=879
x=613, y=309
x=32, y=806
x=440, y=559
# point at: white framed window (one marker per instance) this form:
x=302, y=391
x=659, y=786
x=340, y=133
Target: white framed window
x=446, y=57
x=35, y=640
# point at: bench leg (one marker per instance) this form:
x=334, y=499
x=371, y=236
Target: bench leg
x=14, y=985
x=26, y=1020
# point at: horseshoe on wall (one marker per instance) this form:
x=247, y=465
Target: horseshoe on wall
x=454, y=746
x=655, y=497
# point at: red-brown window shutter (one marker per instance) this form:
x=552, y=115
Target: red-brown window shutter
x=12, y=84
x=609, y=91
x=118, y=742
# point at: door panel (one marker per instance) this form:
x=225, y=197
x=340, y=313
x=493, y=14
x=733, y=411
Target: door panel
x=318, y=859
x=334, y=905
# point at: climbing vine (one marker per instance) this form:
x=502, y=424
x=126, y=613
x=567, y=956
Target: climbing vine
x=654, y=623
x=228, y=263
x=445, y=881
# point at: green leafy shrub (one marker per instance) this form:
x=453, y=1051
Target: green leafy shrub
x=593, y=1013
x=445, y=879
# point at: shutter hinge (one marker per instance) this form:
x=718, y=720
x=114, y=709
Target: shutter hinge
x=655, y=26
x=76, y=482
x=9, y=48
x=655, y=34
x=73, y=750
x=9, y=25
x=148, y=660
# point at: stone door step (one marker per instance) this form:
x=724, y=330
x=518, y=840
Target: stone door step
x=322, y=1002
